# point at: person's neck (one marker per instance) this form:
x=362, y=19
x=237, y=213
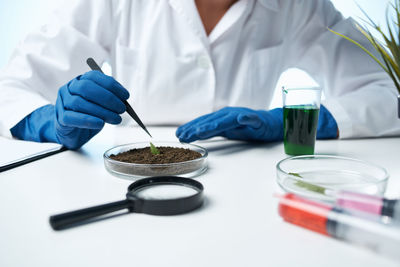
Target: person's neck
x=211, y=11
x=216, y=4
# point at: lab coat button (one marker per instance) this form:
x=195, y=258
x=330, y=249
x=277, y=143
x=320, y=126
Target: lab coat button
x=203, y=62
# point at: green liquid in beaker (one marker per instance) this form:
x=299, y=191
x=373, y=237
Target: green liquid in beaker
x=299, y=129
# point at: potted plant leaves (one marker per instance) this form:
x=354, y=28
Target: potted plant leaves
x=389, y=49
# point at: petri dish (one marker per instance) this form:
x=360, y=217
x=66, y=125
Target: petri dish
x=190, y=168
x=331, y=172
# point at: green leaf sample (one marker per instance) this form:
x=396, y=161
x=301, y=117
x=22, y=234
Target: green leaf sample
x=154, y=149
x=310, y=187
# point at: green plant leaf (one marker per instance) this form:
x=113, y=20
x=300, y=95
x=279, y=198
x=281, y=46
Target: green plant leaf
x=390, y=49
x=295, y=174
x=311, y=187
x=393, y=46
x=397, y=23
x=154, y=149
x=360, y=46
x=391, y=66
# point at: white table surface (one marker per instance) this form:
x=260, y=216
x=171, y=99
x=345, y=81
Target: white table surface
x=237, y=226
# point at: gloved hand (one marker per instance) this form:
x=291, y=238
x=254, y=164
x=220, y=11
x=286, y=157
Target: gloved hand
x=235, y=123
x=82, y=107
x=250, y=125
x=327, y=126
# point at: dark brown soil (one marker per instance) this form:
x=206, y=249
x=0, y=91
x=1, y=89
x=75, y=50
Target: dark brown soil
x=167, y=155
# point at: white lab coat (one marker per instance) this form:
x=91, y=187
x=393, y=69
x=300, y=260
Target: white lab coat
x=159, y=51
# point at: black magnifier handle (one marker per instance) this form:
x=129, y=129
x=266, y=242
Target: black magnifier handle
x=65, y=220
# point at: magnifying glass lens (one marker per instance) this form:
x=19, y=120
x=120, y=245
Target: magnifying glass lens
x=164, y=192
x=163, y=195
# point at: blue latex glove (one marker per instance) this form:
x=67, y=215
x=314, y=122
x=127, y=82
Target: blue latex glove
x=82, y=107
x=327, y=126
x=247, y=124
x=235, y=123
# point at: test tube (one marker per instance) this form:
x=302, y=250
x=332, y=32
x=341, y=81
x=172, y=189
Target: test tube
x=369, y=203
x=367, y=230
x=358, y=201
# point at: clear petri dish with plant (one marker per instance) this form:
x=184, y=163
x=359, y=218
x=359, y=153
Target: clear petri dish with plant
x=313, y=176
x=138, y=160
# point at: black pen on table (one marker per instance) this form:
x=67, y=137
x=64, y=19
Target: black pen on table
x=29, y=159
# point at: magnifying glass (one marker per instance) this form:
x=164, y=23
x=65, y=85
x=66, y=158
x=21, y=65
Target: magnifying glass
x=161, y=195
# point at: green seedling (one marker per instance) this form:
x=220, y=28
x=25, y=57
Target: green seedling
x=154, y=150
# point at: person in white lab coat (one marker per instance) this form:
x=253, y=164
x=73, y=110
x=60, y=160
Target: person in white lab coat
x=181, y=59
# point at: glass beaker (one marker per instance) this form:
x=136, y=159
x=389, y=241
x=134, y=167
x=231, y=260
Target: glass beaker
x=300, y=119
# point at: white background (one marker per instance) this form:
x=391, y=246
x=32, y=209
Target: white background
x=17, y=18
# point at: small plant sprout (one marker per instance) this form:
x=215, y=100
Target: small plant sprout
x=154, y=149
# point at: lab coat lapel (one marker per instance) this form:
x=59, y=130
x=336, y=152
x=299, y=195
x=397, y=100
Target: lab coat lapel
x=271, y=4
x=235, y=12
x=187, y=9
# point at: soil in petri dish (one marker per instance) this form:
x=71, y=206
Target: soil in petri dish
x=167, y=155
